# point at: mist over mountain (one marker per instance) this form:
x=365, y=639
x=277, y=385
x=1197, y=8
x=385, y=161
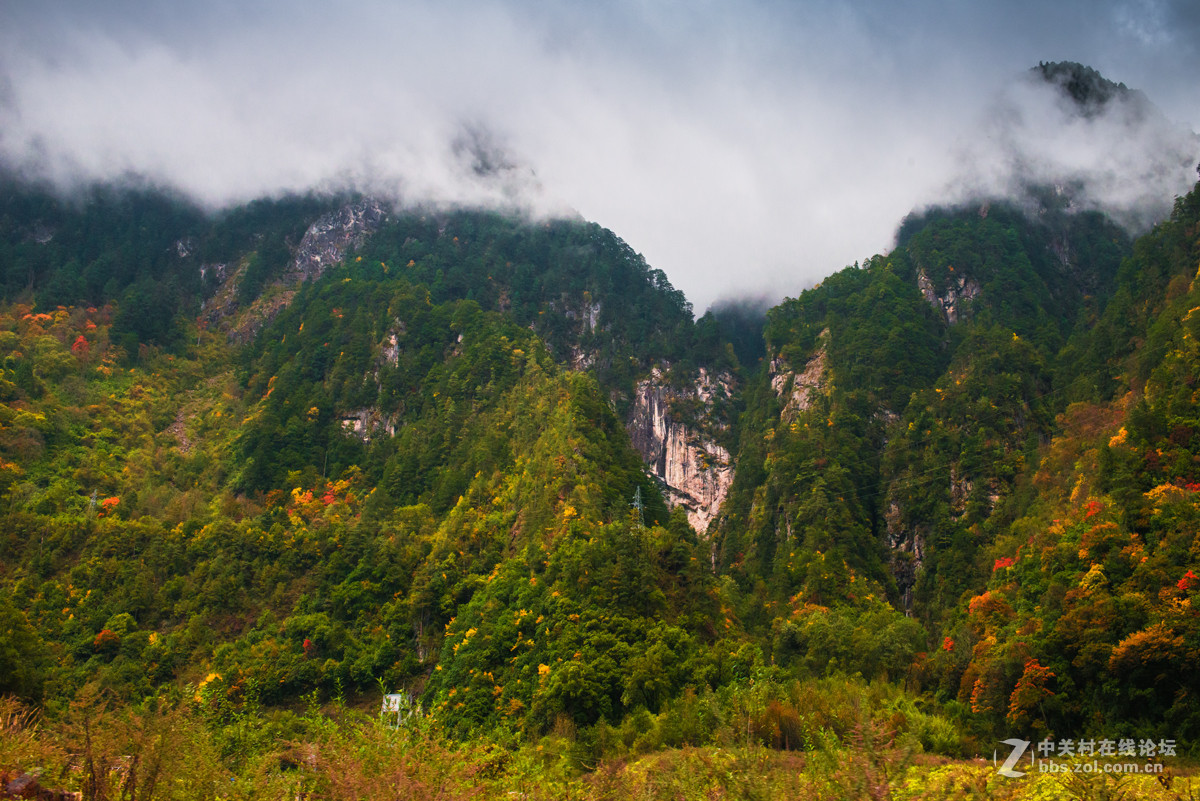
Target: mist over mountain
x=713, y=139
x=316, y=396
x=1063, y=134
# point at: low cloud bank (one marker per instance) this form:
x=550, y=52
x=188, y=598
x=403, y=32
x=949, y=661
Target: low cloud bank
x=741, y=147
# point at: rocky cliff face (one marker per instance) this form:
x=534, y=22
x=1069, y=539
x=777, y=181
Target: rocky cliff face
x=328, y=239
x=371, y=422
x=696, y=472
x=798, y=390
x=954, y=302
x=324, y=244
x=368, y=423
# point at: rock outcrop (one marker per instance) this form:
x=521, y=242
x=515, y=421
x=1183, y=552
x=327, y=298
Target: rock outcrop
x=694, y=470
x=324, y=244
x=328, y=239
x=954, y=302
x=372, y=422
x=367, y=423
x=799, y=390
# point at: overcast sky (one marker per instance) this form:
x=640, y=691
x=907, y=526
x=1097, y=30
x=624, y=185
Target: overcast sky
x=743, y=147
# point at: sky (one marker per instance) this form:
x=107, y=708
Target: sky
x=745, y=148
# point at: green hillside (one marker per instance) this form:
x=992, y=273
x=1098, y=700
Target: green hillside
x=244, y=493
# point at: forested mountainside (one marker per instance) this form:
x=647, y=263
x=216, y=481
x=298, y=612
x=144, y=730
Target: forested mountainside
x=315, y=448
x=951, y=425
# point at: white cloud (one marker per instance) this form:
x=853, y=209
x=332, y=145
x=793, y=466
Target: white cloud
x=742, y=147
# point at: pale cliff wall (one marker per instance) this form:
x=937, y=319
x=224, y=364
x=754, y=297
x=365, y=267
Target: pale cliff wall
x=696, y=472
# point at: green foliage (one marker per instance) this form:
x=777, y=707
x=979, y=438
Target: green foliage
x=142, y=248
x=968, y=466
x=23, y=655
x=588, y=296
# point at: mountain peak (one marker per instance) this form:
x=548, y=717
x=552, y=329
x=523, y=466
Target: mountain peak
x=1090, y=90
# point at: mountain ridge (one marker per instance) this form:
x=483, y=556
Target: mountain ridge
x=317, y=445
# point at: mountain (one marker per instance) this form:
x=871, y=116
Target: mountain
x=1062, y=136
x=316, y=447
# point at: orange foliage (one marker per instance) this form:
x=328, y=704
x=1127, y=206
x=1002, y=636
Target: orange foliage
x=1155, y=644
x=1029, y=692
x=1100, y=539
x=988, y=609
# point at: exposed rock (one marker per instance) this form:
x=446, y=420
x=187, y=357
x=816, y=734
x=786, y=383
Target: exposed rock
x=581, y=359
x=328, y=239
x=906, y=539
x=907, y=547
x=27, y=785
x=366, y=423
x=586, y=319
x=178, y=430
x=218, y=271
x=960, y=490
x=695, y=471
x=592, y=317
x=42, y=234
x=954, y=303
x=261, y=312
x=390, y=351
x=370, y=422
x=800, y=389
x=223, y=306
x=324, y=244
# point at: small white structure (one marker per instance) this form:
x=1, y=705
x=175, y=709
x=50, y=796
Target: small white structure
x=397, y=708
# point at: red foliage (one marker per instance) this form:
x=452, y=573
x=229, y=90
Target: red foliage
x=107, y=505
x=106, y=640
x=1001, y=563
x=947, y=644
x=1093, y=508
x=987, y=610
x=1189, y=582
x=81, y=346
x=1100, y=539
x=1029, y=692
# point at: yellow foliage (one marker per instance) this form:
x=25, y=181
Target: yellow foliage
x=1155, y=643
x=1165, y=494
x=1094, y=577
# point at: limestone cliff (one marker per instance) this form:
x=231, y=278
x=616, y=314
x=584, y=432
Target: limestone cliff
x=324, y=244
x=799, y=390
x=328, y=239
x=954, y=302
x=694, y=470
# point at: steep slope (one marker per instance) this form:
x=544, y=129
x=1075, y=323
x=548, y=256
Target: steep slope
x=588, y=296
x=1086, y=618
x=324, y=445
x=901, y=400
x=314, y=505
x=335, y=580
x=599, y=307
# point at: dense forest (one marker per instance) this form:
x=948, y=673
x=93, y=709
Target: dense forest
x=260, y=468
